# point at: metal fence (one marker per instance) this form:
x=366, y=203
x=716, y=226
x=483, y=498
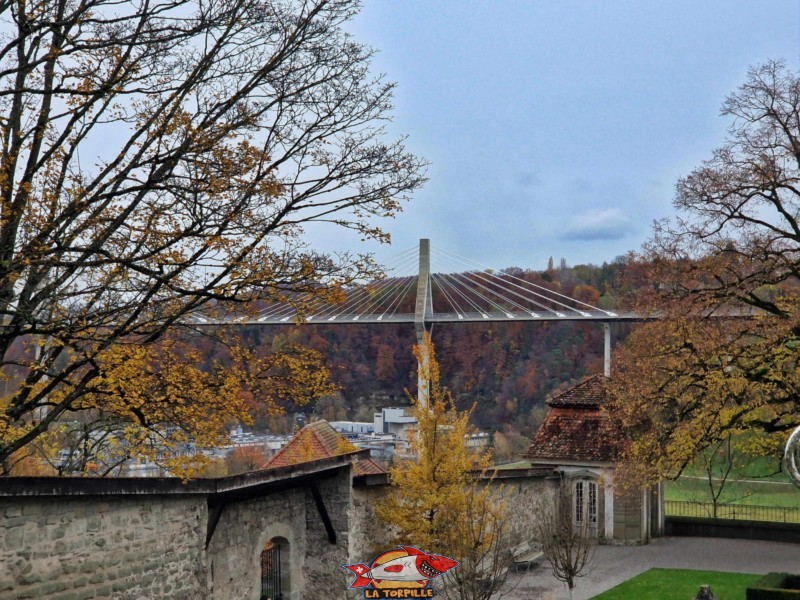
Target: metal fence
x=271, y=573
x=743, y=512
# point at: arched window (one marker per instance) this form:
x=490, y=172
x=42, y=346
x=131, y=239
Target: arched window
x=275, y=584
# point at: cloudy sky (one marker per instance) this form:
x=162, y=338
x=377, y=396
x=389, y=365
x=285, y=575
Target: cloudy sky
x=559, y=127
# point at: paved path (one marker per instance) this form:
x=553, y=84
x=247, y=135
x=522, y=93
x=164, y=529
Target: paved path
x=614, y=564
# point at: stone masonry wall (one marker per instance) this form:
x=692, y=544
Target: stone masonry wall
x=234, y=569
x=147, y=546
x=368, y=537
x=314, y=564
x=122, y=548
x=521, y=496
x=324, y=575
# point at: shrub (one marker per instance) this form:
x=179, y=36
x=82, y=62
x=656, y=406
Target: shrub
x=775, y=586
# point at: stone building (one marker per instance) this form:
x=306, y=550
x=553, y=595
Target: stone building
x=79, y=538
x=286, y=529
x=580, y=441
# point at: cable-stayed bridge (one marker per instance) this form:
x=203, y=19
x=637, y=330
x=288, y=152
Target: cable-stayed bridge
x=460, y=290
x=457, y=290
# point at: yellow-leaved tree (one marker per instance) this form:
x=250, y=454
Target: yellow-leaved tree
x=442, y=499
x=158, y=403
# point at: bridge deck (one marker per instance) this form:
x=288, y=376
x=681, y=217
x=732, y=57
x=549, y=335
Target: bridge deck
x=594, y=315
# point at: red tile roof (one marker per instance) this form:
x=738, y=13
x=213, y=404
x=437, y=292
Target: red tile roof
x=367, y=466
x=319, y=440
x=589, y=393
x=315, y=441
x=577, y=435
x=576, y=428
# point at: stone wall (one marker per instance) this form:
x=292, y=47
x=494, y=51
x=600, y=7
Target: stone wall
x=521, y=495
x=324, y=576
x=88, y=547
x=368, y=537
x=244, y=528
x=141, y=540
x=313, y=562
x=520, y=491
x=82, y=539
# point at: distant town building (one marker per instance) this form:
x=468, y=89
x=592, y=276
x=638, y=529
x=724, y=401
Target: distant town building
x=353, y=427
x=390, y=434
x=394, y=421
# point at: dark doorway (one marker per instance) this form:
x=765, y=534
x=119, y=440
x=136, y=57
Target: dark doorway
x=275, y=570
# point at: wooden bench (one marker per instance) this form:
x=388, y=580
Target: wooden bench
x=526, y=556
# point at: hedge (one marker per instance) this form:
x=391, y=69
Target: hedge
x=775, y=586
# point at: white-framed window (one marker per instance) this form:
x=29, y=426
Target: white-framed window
x=585, y=503
x=578, y=502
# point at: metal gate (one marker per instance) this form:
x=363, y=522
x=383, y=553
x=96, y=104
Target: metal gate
x=271, y=572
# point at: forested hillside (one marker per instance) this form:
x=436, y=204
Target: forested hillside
x=507, y=369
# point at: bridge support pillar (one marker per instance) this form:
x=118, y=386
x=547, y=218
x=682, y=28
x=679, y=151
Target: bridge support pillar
x=607, y=349
x=422, y=314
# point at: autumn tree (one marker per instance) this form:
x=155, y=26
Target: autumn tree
x=245, y=458
x=723, y=279
x=154, y=402
x=441, y=500
x=159, y=162
x=508, y=444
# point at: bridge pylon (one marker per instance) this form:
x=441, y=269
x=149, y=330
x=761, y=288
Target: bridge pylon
x=422, y=316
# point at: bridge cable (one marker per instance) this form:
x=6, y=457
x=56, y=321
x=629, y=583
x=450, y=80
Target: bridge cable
x=491, y=291
x=456, y=309
x=285, y=310
x=474, y=292
x=363, y=296
x=498, y=282
x=494, y=277
x=445, y=280
x=487, y=270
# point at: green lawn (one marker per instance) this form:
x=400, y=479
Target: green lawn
x=680, y=584
x=761, y=493
x=756, y=467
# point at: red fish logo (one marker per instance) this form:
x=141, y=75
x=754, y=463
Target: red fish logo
x=406, y=567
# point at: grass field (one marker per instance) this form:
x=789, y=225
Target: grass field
x=680, y=584
x=763, y=493
x=767, y=468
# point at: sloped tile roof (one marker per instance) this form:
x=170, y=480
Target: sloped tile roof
x=367, y=466
x=315, y=441
x=589, y=393
x=577, y=429
x=577, y=435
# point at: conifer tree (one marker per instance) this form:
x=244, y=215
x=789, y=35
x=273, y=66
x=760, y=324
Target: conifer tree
x=441, y=499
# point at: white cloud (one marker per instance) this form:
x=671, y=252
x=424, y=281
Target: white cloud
x=604, y=224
